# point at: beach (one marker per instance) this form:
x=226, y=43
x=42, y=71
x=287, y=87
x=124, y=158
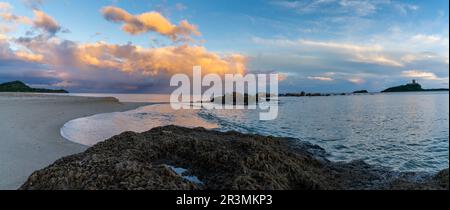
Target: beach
x=30, y=130
x=35, y=156
x=178, y=158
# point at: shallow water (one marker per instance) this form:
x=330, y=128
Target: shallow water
x=150, y=98
x=94, y=129
x=405, y=131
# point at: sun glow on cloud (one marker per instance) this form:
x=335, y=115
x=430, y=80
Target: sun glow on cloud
x=153, y=61
x=314, y=45
x=41, y=20
x=321, y=78
x=421, y=75
x=150, y=21
x=29, y=56
x=74, y=60
x=45, y=22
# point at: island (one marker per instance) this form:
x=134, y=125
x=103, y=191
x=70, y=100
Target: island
x=18, y=86
x=414, y=86
x=360, y=92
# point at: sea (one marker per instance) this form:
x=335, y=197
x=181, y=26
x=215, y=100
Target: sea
x=401, y=131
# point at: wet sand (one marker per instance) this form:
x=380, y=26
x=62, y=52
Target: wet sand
x=30, y=130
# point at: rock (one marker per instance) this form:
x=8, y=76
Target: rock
x=404, y=88
x=360, y=92
x=233, y=161
x=426, y=182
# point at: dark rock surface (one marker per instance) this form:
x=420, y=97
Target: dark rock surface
x=231, y=160
x=360, y=91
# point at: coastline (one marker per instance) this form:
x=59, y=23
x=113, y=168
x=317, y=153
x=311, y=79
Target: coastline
x=177, y=158
x=30, y=130
x=32, y=144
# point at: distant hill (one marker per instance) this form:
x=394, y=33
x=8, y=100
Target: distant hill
x=18, y=86
x=405, y=88
x=411, y=87
x=361, y=91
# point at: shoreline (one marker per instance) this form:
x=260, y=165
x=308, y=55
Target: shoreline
x=177, y=158
x=31, y=145
x=31, y=136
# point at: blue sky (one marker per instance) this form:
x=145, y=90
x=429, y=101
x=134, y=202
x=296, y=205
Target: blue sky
x=317, y=45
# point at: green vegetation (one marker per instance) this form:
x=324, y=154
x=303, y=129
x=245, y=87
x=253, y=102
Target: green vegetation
x=18, y=86
x=414, y=86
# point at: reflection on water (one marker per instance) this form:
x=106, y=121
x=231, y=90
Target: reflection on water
x=405, y=131
x=151, y=98
x=91, y=130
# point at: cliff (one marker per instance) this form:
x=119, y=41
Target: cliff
x=411, y=87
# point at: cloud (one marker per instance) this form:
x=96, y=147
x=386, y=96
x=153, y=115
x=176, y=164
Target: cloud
x=34, y=4
x=30, y=57
x=357, y=8
x=414, y=47
x=15, y=19
x=421, y=75
x=282, y=76
x=102, y=65
x=327, y=79
x=7, y=54
x=358, y=53
x=429, y=39
x=422, y=56
x=45, y=22
x=372, y=54
x=305, y=7
x=361, y=8
x=406, y=8
x=150, y=21
x=157, y=61
x=369, y=63
x=357, y=80
x=5, y=6
x=41, y=21
x=110, y=64
x=377, y=59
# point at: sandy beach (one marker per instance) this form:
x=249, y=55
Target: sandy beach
x=30, y=130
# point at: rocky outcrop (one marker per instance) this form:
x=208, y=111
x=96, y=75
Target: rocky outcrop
x=411, y=87
x=18, y=86
x=405, y=88
x=360, y=91
x=135, y=161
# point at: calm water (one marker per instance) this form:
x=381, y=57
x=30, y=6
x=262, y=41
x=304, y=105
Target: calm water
x=405, y=131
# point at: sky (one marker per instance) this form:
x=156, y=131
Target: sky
x=136, y=45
